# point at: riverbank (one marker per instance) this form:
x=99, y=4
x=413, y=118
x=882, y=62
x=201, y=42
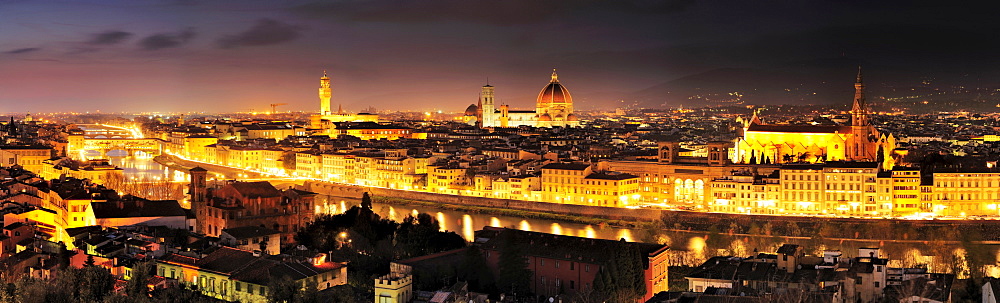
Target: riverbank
x=513, y=213
x=740, y=225
x=871, y=230
x=170, y=162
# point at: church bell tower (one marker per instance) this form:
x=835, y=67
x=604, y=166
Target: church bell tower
x=487, y=106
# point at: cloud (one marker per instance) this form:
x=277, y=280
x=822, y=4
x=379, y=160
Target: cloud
x=265, y=32
x=507, y=12
x=23, y=50
x=109, y=37
x=167, y=40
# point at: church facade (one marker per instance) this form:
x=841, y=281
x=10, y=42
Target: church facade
x=777, y=143
x=553, y=108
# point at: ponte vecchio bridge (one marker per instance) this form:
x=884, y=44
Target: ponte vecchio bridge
x=105, y=138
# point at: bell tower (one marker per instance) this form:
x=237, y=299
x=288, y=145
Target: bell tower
x=859, y=110
x=324, y=95
x=861, y=147
x=486, y=96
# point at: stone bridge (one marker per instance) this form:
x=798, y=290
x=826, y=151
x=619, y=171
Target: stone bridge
x=148, y=145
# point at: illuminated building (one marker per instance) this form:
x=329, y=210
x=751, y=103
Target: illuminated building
x=448, y=178
x=239, y=204
x=776, y=143
x=969, y=193
x=30, y=157
x=573, y=183
x=745, y=194
x=194, y=145
x=325, y=118
x=905, y=191
x=237, y=275
x=370, y=131
x=245, y=157
x=553, y=108
x=677, y=176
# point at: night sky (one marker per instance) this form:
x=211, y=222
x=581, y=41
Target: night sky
x=224, y=56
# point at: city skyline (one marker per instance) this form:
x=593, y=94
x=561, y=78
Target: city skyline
x=237, y=56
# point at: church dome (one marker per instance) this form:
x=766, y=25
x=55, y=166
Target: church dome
x=471, y=110
x=554, y=92
x=545, y=118
x=572, y=117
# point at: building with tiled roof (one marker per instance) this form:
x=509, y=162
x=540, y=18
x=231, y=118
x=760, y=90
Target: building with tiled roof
x=567, y=264
x=865, y=278
x=237, y=275
x=240, y=204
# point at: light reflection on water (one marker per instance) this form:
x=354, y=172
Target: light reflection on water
x=465, y=224
x=143, y=168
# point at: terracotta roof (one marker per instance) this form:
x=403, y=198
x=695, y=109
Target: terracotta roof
x=137, y=208
x=605, y=176
x=226, y=260
x=820, y=129
x=595, y=251
x=250, y=232
x=259, y=189
x=566, y=166
x=554, y=92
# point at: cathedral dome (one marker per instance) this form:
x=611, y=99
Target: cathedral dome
x=554, y=92
x=471, y=110
x=572, y=117
x=545, y=118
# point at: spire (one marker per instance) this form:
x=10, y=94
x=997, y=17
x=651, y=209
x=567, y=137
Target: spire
x=340, y=109
x=859, y=74
x=755, y=119
x=555, y=77
x=859, y=110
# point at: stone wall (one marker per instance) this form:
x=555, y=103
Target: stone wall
x=612, y=213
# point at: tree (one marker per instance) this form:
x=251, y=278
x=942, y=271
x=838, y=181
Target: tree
x=622, y=279
x=366, y=201
x=138, y=285
x=514, y=275
x=474, y=269
x=286, y=290
x=281, y=290
x=96, y=282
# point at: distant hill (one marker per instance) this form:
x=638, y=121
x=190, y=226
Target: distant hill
x=825, y=81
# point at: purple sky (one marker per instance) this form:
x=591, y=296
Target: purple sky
x=217, y=56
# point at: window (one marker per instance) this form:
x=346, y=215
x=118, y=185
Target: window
x=876, y=284
x=586, y=268
x=878, y=268
x=557, y=264
x=239, y=286
x=571, y=265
